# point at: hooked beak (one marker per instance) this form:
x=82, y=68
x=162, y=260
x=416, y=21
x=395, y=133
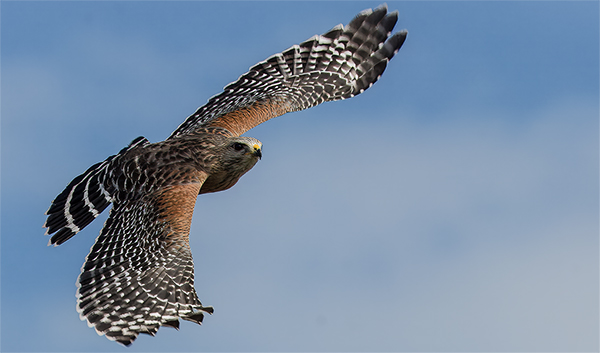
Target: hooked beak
x=257, y=151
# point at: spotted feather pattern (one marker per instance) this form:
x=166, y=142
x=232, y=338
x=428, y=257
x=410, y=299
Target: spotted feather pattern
x=336, y=65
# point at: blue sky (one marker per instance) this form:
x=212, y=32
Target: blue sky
x=451, y=207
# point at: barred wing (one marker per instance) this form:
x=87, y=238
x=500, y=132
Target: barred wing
x=139, y=275
x=336, y=65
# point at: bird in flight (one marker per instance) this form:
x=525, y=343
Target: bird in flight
x=139, y=275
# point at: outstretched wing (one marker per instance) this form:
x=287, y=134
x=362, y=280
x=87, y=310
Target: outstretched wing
x=139, y=275
x=336, y=65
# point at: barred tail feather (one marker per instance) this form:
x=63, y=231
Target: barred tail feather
x=79, y=204
x=82, y=200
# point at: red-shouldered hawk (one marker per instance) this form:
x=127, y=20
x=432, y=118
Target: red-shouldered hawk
x=139, y=274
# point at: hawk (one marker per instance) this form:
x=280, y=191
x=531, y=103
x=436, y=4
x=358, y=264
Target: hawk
x=139, y=274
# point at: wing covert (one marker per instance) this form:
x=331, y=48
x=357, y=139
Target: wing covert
x=336, y=65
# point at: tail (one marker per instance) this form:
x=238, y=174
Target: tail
x=83, y=199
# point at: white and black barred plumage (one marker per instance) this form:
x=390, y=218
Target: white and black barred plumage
x=84, y=198
x=336, y=65
x=139, y=274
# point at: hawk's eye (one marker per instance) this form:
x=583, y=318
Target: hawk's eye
x=238, y=146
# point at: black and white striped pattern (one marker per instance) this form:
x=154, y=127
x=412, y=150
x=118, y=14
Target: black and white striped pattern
x=137, y=277
x=84, y=198
x=336, y=65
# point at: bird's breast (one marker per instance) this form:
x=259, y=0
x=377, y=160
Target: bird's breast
x=219, y=182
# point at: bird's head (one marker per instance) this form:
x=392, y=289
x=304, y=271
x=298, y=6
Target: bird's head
x=231, y=158
x=241, y=152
